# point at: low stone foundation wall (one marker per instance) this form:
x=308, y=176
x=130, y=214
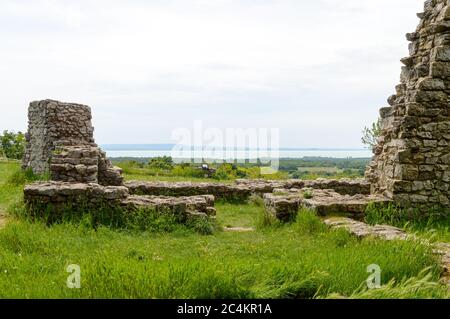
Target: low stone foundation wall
x=202, y=205
x=229, y=192
x=242, y=189
x=362, y=230
x=284, y=204
x=57, y=196
x=284, y=207
x=344, y=186
x=62, y=193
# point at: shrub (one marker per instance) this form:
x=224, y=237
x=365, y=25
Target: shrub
x=12, y=145
x=164, y=163
x=225, y=172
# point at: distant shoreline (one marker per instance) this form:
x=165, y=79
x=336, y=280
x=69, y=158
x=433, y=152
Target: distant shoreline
x=169, y=147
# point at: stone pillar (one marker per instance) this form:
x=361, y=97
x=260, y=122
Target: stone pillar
x=412, y=160
x=60, y=140
x=51, y=124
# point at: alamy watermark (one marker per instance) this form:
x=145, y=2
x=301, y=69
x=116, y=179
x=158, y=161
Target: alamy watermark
x=201, y=144
x=74, y=279
x=374, y=280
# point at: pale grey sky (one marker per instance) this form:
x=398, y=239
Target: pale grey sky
x=318, y=70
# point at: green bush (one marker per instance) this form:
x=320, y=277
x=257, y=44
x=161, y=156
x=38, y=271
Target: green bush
x=12, y=145
x=225, y=172
x=164, y=163
x=308, y=194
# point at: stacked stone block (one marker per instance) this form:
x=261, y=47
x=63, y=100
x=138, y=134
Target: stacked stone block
x=60, y=194
x=60, y=140
x=412, y=158
x=108, y=174
x=51, y=124
x=75, y=164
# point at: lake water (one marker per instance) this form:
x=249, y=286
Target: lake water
x=341, y=153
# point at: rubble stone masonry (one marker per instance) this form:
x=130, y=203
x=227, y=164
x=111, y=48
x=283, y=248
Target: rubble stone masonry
x=412, y=159
x=60, y=140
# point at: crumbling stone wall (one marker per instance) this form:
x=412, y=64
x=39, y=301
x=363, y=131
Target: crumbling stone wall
x=60, y=140
x=52, y=124
x=344, y=186
x=284, y=204
x=412, y=159
x=243, y=189
x=41, y=197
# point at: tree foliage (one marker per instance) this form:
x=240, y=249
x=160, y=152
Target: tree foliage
x=371, y=134
x=12, y=145
x=165, y=163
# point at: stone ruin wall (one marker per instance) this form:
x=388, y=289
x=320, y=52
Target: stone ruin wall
x=411, y=165
x=412, y=159
x=93, y=197
x=60, y=140
x=51, y=124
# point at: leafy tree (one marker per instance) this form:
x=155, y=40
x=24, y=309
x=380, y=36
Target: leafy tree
x=370, y=135
x=12, y=145
x=165, y=162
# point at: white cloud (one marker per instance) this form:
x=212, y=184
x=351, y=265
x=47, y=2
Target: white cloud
x=319, y=70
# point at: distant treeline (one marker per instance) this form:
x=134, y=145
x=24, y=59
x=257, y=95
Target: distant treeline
x=304, y=168
x=341, y=163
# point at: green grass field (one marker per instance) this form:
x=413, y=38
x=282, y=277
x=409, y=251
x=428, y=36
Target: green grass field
x=300, y=260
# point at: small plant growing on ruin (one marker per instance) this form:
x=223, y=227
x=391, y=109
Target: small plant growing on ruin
x=308, y=194
x=371, y=134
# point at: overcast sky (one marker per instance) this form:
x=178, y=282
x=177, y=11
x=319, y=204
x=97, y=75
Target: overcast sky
x=318, y=70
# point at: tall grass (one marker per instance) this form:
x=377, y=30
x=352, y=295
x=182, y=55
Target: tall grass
x=421, y=286
x=300, y=260
x=112, y=216
x=21, y=177
x=434, y=224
